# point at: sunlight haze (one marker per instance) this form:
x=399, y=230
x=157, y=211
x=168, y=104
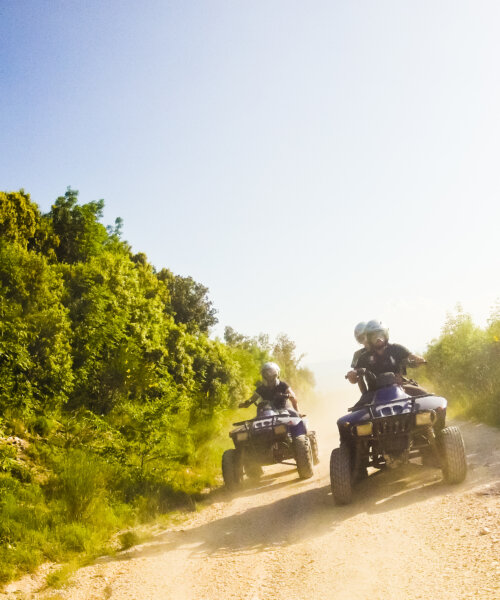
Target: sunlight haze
x=313, y=164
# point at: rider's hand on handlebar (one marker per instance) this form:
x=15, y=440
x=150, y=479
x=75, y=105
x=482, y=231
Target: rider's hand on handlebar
x=352, y=376
x=415, y=361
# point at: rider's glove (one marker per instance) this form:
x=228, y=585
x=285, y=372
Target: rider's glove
x=352, y=376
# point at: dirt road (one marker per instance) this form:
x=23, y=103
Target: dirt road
x=406, y=536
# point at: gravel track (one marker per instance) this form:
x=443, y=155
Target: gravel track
x=406, y=535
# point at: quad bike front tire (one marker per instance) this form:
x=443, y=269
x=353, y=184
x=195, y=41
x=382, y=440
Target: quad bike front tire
x=313, y=441
x=303, y=456
x=253, y=470
x=453, y=459
x=340, y=475
x=231, y=469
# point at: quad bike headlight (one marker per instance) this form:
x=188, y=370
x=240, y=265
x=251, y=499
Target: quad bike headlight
x=426, y=417
x=242, y=436
x=365, y=429
x=279, y=429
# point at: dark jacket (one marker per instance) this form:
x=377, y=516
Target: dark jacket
x=392, y=360
x=276, y=396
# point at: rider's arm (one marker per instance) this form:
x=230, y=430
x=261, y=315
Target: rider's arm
x=254, y=398
x=362, y=362
x=416, y=360
x=357, y=357
x=293, y=400
x=403, y=354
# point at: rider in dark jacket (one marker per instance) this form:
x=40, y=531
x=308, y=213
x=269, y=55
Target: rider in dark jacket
x=383, y=357
x=272, y=390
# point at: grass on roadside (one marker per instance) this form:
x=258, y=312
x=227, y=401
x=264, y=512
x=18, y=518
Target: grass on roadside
x=69, y=506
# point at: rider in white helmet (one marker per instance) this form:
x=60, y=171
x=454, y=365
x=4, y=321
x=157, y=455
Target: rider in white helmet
x=360, y=336
x=272, y=390
x=383, y=357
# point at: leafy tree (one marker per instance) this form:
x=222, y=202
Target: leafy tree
x=35, y=336
x=463, y=366
x=116, y=308
x=106, y=366
x=189, y=303
x=233, y=338
x=77, y=227
x=19, y=217
x=255, y=351
x=299, y=377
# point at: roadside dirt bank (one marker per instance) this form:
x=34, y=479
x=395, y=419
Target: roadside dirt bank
x=406, y=536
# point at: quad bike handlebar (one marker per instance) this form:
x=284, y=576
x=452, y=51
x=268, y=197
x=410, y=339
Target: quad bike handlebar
x=362, y=372
x=247, y=403
x=408, y=362
x=361, y=379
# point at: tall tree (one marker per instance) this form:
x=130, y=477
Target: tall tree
x=189, y=302
x=35, y=336
x=19, y=217
x=80, y=233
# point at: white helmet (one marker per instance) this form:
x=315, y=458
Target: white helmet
x=376, y=328
x=270, y=373
x=359, y=332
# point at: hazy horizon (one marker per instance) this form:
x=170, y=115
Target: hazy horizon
x=313, y=165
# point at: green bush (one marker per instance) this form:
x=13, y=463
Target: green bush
x=129, y=539
x=43, y=426
x=108, y=372
x=464, y=365
x=74, y=536
x=80, y=483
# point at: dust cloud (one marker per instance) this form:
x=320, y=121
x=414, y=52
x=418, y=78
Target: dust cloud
x=329, y=401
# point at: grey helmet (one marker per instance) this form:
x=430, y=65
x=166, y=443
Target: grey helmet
x=270, y=373
x=375, y=327
x=359, y=332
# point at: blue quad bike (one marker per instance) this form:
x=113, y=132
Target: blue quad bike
x=273, y=436
x=387, y=428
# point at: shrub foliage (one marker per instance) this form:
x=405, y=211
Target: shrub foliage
x=464, y=365
x=113, y=397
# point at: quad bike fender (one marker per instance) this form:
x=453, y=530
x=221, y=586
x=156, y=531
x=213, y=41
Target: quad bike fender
x=438, y=405
x=299, y=429
x=357, y=416
x=430, y=403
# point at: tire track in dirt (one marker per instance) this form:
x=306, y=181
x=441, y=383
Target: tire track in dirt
x=406, y=535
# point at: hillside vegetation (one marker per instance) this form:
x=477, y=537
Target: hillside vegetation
x=114, y=400
x=464, y=365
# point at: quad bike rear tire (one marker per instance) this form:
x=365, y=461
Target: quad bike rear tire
x=303, y=456
x=453, y=459
x=341, y=475
x=313, y=441
x=231, y=469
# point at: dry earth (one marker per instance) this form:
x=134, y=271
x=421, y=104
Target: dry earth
x=407, y=535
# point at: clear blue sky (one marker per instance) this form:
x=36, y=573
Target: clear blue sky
x=313, y=163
